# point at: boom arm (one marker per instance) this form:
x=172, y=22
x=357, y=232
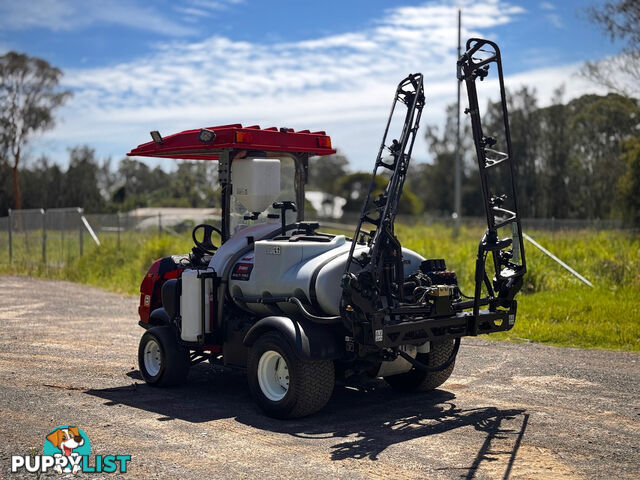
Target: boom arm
x=496, y=172
x=382, y=266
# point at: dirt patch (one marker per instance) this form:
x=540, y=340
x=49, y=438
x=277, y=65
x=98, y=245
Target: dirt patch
x=553, y=381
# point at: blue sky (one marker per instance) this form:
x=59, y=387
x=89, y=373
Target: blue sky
x=136, y=66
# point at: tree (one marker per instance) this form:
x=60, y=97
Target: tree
x=193, y=184
x=42, y=184
x=354, y=187
x=629, y=183
x=137, y=178
x=29, y=94
x=137, y=182
x=324, y=172
x=524, y=128
x=106, y=178
x=433, y=182
x=597, y=127
x=621, y=21
x=554, y=172
x=81, y=180
x=5, y=188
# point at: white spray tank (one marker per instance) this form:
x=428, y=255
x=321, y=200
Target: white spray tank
x=256, y=182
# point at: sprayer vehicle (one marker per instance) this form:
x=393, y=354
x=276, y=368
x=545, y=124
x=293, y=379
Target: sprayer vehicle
x=298, y=309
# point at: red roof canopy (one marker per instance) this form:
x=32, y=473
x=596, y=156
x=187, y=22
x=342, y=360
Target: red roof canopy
x=187, y=145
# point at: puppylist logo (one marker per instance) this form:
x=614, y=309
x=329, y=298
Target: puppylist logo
x=67, y=449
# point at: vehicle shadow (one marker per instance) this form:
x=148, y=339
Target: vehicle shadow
x=364, y=421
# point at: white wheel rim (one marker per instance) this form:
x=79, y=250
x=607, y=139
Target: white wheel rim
x=152, y=358
x=273, y=375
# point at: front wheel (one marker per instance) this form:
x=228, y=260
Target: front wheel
x=416, y=380
x=162, y=361
x=284, y=385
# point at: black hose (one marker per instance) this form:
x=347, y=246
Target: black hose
x=311, y=316
x=421, y=366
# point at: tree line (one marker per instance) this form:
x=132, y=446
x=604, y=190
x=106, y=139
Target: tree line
x=572, y=160
x=96, y=186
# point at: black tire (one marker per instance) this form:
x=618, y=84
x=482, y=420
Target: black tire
x=420, y=381
x=310, y=381
x=173, y=358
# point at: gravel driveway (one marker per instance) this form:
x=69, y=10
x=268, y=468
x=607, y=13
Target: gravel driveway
x=68, y=356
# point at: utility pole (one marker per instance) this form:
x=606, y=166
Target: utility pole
x=457, y=186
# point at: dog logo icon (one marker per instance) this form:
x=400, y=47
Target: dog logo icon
x=67, y=441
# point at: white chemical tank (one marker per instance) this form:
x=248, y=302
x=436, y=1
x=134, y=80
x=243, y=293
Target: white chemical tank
x=256, y=182
x=191, y=305
x=310, y=270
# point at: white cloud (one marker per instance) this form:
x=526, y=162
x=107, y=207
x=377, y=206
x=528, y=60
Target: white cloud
x=59, y=15
x=197, y=9
x=547, y=6
x=341, y=83
x=555, y=20
x=214, y=4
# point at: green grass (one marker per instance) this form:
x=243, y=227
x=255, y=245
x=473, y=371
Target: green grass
x=579, y=317
x=61, y=247
x=116, y=268
x=553, y=308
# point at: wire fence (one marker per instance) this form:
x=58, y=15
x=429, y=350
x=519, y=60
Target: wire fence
x=50, y=237
x=55, y=237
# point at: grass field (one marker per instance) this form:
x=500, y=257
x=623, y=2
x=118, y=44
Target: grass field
x=554, y=307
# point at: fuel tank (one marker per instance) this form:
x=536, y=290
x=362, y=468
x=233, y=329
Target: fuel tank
x=309, y=268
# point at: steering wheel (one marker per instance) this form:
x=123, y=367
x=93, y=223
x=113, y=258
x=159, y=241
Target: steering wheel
x=206, y=245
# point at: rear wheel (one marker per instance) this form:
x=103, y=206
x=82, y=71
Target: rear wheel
x=284, y=385
x=162, y=361
x=416, y=380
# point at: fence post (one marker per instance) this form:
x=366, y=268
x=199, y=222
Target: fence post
x=44, y=237
x=159, y=224
x=80, y=211
x=118, y=228
x=10, y=238
x=63, y=224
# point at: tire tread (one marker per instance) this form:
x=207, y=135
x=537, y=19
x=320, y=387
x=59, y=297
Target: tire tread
x=176, y=358
x=314, y=379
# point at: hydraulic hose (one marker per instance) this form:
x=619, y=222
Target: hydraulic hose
x=421, y=366
x=311, y=316
x=306, y=313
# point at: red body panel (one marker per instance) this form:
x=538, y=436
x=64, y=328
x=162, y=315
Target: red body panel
x=150, y=289
x=186, y=144
x=160, y=271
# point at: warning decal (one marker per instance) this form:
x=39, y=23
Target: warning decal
x=242, y=271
